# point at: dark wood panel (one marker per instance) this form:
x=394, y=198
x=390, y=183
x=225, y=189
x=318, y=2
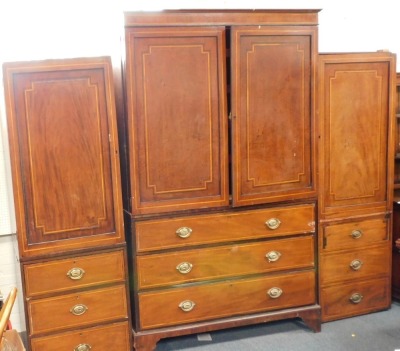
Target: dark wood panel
x=177, y=118
x=273, y=118
x=356, y=128
x=64, y=152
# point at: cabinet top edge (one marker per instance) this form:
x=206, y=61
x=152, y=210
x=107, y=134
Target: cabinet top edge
x=222, y=17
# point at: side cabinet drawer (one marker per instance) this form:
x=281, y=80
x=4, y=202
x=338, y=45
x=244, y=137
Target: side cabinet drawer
x=73, y=273
x=355, y=264
x=355, y=234
x=80, y=309
x=225, y=261
x=224, y=227
x=356, y=298
x=110, y=337
x=210, y=301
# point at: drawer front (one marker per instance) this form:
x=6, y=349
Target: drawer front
x=225, y=261
x=355, y=298
x=355, y=234
x=80, y=309
x=73, y=273
x=223, y=227
x=211, y=301
x=355, y=264
x=110, y=337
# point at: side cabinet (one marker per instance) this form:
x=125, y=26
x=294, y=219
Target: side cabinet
x=356, y=93
x=66, y=182
x=221, y=147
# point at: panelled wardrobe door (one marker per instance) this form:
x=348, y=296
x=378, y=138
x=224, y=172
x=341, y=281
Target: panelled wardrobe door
x=273, y=123
x=64, y=152
x=175, y=80
x=356, y=97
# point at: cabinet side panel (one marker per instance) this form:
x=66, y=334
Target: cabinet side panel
x=65, y=166
x=355, y=135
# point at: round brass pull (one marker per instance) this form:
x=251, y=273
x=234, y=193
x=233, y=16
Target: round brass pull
x=187, y=305
x=274, y=292
x=184, y=267
x=356, y=264
x=78, y=309
x=76, y=273
x=356, y=298
x=273, y=223
x=356, y=234
x=83, y=347
x=273, y=256
x=184, y=232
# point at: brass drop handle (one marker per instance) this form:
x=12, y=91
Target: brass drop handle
x=274, y=293
x=356, y=234
x=356, y=264
x=273, y=223
x=184, y=232
x=356, y=298
x=273, y=256
x=75, y=273
x=187, y=305
x=78, y=309
x=83, y=347
x=184, y=267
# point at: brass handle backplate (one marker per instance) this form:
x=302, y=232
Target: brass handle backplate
x=273, y=256
x=75, y=273
x=187, y=305
x=274, y=292
x=83, y=347
x=356, y=298
x=273, y=223
x=184, y=267
x=78, y=309
x=184, y=232
x=356, y=234
x=356, y=264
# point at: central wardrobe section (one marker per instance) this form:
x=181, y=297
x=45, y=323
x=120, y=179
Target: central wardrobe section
x=220, y=192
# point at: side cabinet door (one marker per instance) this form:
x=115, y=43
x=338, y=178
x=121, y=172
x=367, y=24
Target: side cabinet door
x=177, y=120
x=273, y=73
x=356, y=128
x=64, y=153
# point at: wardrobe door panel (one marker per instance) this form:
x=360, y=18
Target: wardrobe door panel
x=177, y=118
x=272, y=86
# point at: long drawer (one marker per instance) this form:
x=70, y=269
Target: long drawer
x=77, y=310
x=74, y=273
x=355, y=298
x=355, y=264
x=355, y=234
x=223, y=227
x=224, y=261
x=105, y=338
x=210, y=301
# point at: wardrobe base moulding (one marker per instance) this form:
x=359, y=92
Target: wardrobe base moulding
x=147, y=340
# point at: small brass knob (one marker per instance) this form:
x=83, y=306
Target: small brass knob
x=184, y=232
x=75, y=273
x=78, y=309
x=83, y=347
x=187, y=305
x=356, y=298
x=273, y=256
x=184, y=267
x=356, y=264
x=273, y=223
x=275, y=292
x=356, y=234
